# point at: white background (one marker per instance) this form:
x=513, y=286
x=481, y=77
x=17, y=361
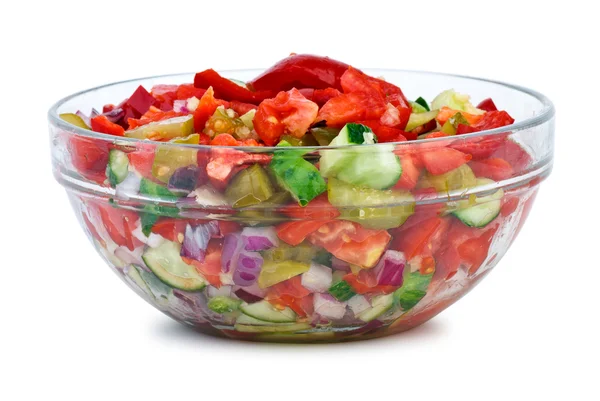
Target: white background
x=72, y=331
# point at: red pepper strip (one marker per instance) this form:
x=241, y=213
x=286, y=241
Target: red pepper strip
x=241, y=108
x=487, y=105
x=228, y=90
x=294, y=232
x=102, y=124
x=301, y=71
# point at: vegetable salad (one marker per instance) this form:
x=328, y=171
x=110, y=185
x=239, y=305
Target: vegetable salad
x=332, y=227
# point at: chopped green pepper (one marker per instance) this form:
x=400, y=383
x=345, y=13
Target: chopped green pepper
x=249, y=187
x=342, y=291
x=413, y=289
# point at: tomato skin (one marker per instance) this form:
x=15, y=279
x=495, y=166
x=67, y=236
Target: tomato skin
x=295, y=232
x=317, y=209
x=210, y=269
x=241, y=108
x=351, y=242
x=206, y=108
x=384, y=133
x=228, y=90
x=494, y=168
x=288, y=112
x=441, y=160
x=487, y=105
x=301, y=71
x=169, y=228
x=102, y=124
x=186, y=91
x=89, y=157
x=413, y=239
x=119, y=224
x=152, y=115
x=410, y=173
x=350, y=107
x=361, y=287
x=355, y=80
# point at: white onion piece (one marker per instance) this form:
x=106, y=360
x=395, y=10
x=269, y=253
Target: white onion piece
x=318, y=278
x=329, y=307
x=129, y=186
x=358, y=304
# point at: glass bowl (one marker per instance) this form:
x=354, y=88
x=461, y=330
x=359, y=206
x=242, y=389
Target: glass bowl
x=256, y=266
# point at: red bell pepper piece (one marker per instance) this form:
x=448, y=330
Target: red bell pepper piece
x=487, y=105
x=301, y=71
x=228, y=90
x=102, y=124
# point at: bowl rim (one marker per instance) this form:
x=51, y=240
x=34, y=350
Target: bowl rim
x=546, y=114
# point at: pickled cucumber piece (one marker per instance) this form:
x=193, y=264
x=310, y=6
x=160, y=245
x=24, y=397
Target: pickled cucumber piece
x=324, y=136
x=275, y=272
x=417, y=119
x=74, y=119
x=303, y=252
x=168, y=159
x=368, y=207
x=459, y=178
x=166, y=129
x=249, y=187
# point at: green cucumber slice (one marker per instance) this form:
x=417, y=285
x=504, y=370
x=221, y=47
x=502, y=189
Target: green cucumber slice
x=380, y=305
x=118, y=167
x=378, y=169
x=266, y=312
x=485, y=209
x=166, y=263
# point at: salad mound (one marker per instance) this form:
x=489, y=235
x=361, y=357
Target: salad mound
x=299, y=240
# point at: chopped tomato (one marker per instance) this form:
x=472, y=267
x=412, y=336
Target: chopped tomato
x=228, y=227
x=206, y=108
x=89, y=157
x=225, y=163
x=294, y=232
x=480, y=148
x=410, y=173
x=320, y=96
x=119, y=224
x=412, y=240
x=227, y=89
x=351, y=242
x=474, y=251
x=186, y=91
x=165, y=95
x=361, y=287
x=385, y=133
x=204, y=139
x=102, y=124
x=289, y=112
x=301, y=71
x=317, y=209
x=224, y=140
x=494, y=168
x=514, y=154
x=142, y=159
x=446, y=113
x=351, y=107
x=355, y=80
x=487, y=105
x=241, y=108
x=493, y=119
x=210, y=269
x=152, y=115
x=170, y=228
x=92, y=229
x=438, y=134
x=292, y=287
x=509, y=205
x=441, y=160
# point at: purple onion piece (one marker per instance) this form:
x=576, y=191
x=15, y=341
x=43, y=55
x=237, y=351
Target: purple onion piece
x=86, y=119
x=115, y=115
x=184, y=180
x=179, y=106
x=196, y=240
x=232, y=245
x=338, y=264
x=259, y=238
x=390, y=269
x=329, y=307
x=247, y=268
x=247, y=297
